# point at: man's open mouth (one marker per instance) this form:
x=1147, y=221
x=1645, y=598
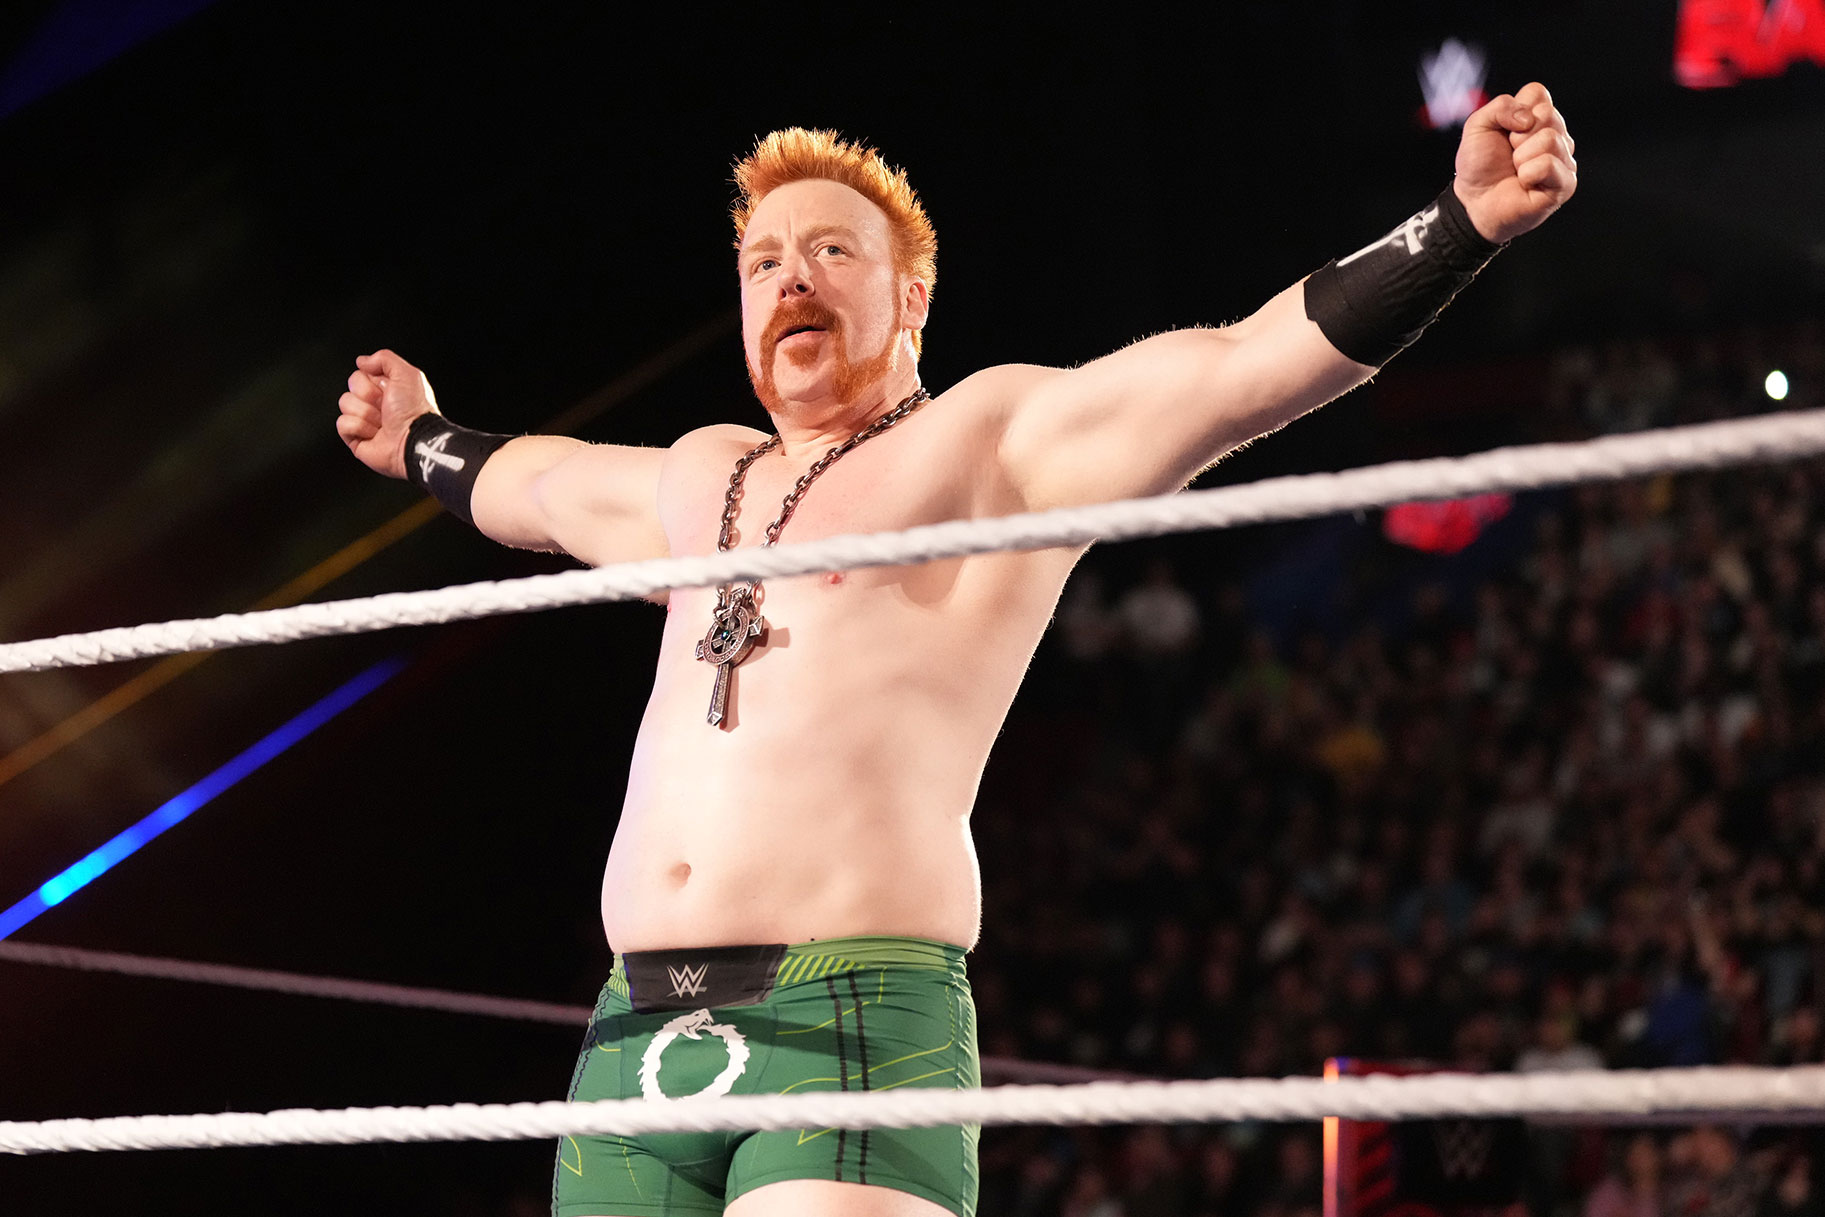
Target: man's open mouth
x=801, y=329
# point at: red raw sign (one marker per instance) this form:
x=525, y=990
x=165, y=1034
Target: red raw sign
x=1721, y=42
x=1445, y=527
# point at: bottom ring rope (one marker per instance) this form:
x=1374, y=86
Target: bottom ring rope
x=295, y=983
x=413, y=997
x=1737, y=1092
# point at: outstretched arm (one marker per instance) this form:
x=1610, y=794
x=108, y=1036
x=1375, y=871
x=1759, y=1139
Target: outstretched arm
x=1148, y=418
x=597, y=502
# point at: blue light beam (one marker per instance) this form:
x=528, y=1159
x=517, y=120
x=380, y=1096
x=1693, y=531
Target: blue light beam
x=62, y=886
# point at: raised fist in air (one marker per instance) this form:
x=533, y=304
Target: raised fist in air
x=385, y=394
x=1515, y=165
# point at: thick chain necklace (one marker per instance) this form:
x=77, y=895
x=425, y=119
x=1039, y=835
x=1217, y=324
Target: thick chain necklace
x=737, y=625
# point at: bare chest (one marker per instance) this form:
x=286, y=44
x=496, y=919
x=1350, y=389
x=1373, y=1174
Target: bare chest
x=893, y=482
x=864, y=624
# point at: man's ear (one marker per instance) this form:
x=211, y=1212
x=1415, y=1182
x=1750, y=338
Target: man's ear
x=915, y=305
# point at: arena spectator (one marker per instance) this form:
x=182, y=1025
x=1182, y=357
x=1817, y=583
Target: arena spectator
x=1567, y=814
x=1632, y=1188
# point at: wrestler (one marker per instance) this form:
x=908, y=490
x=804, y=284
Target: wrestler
x=792, y=885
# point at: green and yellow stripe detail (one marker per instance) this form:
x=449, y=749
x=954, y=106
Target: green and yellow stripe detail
x=812, y=967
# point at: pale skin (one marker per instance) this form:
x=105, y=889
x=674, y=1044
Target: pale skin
x=836, y=800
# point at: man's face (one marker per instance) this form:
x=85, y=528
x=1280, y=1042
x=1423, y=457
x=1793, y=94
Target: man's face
x=822, y=305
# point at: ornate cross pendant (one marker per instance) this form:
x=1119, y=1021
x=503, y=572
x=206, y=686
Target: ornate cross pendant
x=737, y=626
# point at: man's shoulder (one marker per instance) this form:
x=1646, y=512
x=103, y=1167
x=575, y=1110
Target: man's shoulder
x=694, y=473
x=707, y=452
x=979, y=407
x=717, y=437
x=999, y=385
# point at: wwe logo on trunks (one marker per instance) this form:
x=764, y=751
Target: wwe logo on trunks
x=687, y=982
x=1412, y=235
x=1463, y=1147
x=431, y=454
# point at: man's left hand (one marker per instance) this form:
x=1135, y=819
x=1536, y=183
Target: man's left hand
x=1515, y=165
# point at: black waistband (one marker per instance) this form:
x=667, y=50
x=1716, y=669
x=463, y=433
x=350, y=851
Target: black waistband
x=701, y=977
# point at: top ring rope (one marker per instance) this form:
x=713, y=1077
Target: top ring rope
x=1704, y=446
x=1770, y=1095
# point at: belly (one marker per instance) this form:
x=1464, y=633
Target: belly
x=823, y=812
x=690, y=873
x=836, y=800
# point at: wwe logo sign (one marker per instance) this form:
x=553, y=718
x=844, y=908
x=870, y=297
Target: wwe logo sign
x=687, y=982
x=1463, y=1147
x=1452, y=81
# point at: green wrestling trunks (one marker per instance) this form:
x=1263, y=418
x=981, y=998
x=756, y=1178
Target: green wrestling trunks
x=839, y=1014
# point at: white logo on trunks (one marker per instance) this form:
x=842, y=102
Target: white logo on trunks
x=692, y=1026
x=431, y=454
x=687, y=982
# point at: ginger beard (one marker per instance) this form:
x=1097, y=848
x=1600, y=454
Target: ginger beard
x=851, y=377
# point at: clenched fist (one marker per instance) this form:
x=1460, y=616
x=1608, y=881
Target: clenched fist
x=385, y=394
x=1515, y=165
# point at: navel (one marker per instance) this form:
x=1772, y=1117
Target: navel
x=833, y=577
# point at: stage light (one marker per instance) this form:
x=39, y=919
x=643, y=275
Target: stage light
x=1776, y=385
x=61, y=886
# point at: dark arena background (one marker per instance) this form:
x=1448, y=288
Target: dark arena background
x=1524, y=784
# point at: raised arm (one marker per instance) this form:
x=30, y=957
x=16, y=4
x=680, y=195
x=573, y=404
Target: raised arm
x=1148, y=418
x=596, y=502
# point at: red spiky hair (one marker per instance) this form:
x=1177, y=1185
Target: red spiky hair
x=797, y=154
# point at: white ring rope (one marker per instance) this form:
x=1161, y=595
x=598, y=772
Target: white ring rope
x=1703, y=446
x=1697, y=1093
x=408, y=996
x=412, y=997
x=1767, y=1094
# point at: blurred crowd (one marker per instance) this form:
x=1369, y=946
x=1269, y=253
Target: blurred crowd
x=1569, y=815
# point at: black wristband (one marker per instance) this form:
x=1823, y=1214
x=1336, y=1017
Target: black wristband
x=1375, y=302
x=445, y=459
